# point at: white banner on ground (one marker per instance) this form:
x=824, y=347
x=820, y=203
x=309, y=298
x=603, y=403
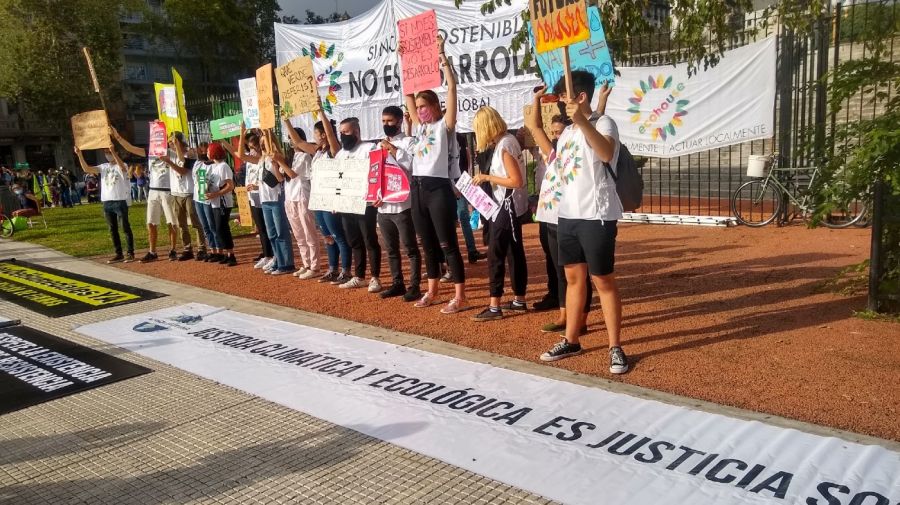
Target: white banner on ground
x=663, y=113
x=357, y=66
x=567, y=442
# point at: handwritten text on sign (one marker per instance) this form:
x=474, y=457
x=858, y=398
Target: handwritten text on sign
x=265, y=97
x=591, y=54
x=482, y=202
x=340, y=186
x=297, y=87
x=558, y=23
x=419, y=57
x=91, y=130
x=249, y=104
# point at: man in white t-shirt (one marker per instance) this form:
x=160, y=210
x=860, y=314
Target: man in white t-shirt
x=182, y=186
x=159, y=203
x=360, y=229
x=115, y=193
x=395, y=219
x=589, y=210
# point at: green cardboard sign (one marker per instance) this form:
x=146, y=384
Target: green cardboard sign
x=225, y=128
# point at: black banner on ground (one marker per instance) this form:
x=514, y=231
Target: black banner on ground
x=36, y=367
x=56, y=293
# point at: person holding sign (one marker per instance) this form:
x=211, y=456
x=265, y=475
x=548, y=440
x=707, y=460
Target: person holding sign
x=296, y=202
x=219, y=187
x=505, y=229
x=202, y=207
x=114, y=193
x=433, y=200
x=182, y=197
x=271, y=195
x=589, y=210
x=395, y=219
x=330, y=223
x=360, y=229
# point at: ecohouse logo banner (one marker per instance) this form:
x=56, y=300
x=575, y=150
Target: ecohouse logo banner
x=663, y=112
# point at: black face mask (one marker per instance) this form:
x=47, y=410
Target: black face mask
x=554, y=142
x=391, y=129
x=348, y=142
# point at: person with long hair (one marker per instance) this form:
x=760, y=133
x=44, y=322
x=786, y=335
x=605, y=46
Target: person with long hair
x=271, y=195
x=336, y=244
x=433, y=201
x=248, y=152
x=296, y=201
x=506, y=175
x=202, y=207
x=219, y=188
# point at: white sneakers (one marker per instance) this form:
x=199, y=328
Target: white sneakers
x=262, y=263
x=309, y=274
x=355, y=282
x=374, y=285
x=300, y=272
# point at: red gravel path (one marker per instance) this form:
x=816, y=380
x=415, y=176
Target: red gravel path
x=734, y=316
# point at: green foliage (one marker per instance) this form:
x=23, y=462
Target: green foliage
x=869, y=21
x=41, y=59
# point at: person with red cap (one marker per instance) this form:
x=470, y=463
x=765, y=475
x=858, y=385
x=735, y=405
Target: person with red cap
x=219, y=185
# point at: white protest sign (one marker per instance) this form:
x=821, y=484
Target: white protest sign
x=483, y=203
x=249, y=102
x=339, y=185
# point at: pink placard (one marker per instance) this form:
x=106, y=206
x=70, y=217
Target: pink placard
x=158, y=140
x=419, y=61
x=387, y=181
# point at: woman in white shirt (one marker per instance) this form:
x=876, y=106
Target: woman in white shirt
x=219, y=188
x=248, y=152
x=505, y=229
x=297, y=189
x=271, y=196
x=433, y=201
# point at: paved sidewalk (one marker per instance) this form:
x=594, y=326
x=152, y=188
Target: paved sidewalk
x=172, y=437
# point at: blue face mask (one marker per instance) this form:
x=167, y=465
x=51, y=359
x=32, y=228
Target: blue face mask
x=19, y=191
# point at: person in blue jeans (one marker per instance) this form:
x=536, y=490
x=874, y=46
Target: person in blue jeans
x=272, y=198
x=336, y=246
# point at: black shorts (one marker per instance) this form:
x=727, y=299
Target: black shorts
x=588, y=241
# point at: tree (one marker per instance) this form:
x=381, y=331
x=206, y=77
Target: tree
x=315, y=19
x=41, y=57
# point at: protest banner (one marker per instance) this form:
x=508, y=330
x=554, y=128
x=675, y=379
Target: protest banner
x=179, y=102
x=244, y=214
x=158, y=144
x=558, y=23
x=91, y=130
x=297, y=87
x=591, y=54
x=249, y=103
x=548, y=110
x=387, y=181
x=483, y=203
x=265, y=96
x=225, y=128
x=339, y=185
x=419, y=55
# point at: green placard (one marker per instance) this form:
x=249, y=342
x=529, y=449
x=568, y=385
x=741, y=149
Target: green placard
x=226, y=127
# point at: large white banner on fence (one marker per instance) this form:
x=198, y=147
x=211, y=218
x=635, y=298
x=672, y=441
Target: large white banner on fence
x=662, y=112
x=567, y=442
x=357, y=66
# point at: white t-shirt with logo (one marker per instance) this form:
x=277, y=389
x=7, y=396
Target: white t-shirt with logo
x=254, y=175
x=404, y=161
x=114, y=183
x=159, y=174
x=586, y=191
x=510, y=145
x=430, y=151
x=216, y=175
x=183, y=185
x=199, y=167
x=266, y=192
x=297, y=189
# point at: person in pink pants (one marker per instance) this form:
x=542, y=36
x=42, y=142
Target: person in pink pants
x=296, y=205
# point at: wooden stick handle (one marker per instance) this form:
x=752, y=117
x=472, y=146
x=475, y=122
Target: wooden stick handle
x=567, y=67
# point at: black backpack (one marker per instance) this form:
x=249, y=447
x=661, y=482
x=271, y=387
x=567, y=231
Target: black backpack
x=629, y=183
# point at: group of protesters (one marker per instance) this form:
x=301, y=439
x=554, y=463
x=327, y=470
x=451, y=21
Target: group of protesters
x=192, y=187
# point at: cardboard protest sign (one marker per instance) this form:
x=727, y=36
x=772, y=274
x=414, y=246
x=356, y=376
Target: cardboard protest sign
x=158, y=144
x=558, y=23
x=339, y=185
x=419, y=56
x=91, y=130
x=387, y=181
x=297, y=87
x=548, y=110
x=249, y=103
x=244, y=214
x=265, y=96
x=591, y=54
x=225, y=128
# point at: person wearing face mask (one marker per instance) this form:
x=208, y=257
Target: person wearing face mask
x=182, y=197
x=360, y=229
x=114, y=193
x=28, y=204
x=296, y=202
x=329, y=223
x=432, y=198
x=395, y=219
x=248, y=152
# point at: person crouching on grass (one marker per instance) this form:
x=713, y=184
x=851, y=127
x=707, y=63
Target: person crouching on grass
x=505, y=229
x=589, y=210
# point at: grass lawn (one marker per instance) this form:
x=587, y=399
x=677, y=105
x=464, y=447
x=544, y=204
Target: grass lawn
x=82, y=231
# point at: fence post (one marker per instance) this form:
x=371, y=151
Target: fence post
x=823, y=36
x=875, y=260
x=785, y=96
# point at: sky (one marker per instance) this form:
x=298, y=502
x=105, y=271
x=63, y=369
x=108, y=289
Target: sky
x=325, y=7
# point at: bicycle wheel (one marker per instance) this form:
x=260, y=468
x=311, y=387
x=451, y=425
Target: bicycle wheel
x=756, y=203
x=6, y=226
x=843, y=217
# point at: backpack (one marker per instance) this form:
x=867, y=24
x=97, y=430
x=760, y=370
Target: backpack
x=629, y=183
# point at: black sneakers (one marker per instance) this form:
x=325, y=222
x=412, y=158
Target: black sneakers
x=115, y=259
x=515, y=306
x=230, y=260
x=488, y=314
x=394, y=290
x=150, y=256
x=475, y=256
x=618, y=362
x=201, y=256
x=547, y=303
x=329, y=276
x=186, y=255
x=129, y=257
x=412, y=294
x=173, y=256
x=561, y=350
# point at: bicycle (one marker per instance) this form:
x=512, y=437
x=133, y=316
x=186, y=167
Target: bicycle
x=758, y=202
